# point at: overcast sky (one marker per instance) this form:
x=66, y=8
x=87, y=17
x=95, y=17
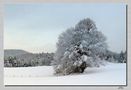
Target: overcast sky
x=36, y=27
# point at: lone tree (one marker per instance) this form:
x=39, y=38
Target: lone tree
x=78, y=48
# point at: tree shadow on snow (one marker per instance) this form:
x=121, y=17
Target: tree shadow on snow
x=93, y=71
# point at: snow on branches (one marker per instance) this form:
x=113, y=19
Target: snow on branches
x=78, y=48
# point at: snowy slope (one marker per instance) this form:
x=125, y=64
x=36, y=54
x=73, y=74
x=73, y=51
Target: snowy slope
x=111, y=74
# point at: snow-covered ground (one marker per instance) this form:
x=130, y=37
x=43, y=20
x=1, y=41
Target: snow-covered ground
x=111, y=74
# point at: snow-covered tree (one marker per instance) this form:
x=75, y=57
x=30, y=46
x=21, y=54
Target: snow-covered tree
x=76, y=45
x=122, y=58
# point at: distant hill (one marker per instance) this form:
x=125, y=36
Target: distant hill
x=21, y=58
x=14, y=52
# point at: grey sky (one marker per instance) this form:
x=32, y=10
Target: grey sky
x=36, y=27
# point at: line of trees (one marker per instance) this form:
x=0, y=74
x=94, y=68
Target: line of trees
x=47, y=59
x=27, y=60
x=116, y=57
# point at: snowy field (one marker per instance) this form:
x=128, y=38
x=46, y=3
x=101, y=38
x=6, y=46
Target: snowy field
x=111, y=74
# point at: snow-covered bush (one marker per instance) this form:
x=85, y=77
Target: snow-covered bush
x=78, y=48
